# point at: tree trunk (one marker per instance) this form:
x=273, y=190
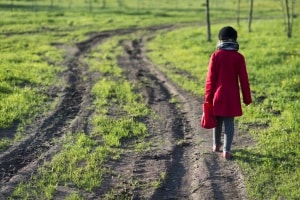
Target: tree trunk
x=51, y=4
x=208, y=21
x=288, y=14
x=250, y=15
x=238, y=12
x=12, y=5
x=91, y=5
x=70, y=4
x=120, y=3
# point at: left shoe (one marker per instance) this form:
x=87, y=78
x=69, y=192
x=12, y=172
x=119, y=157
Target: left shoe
x=216, y=148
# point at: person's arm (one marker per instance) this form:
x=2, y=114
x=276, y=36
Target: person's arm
x=210, y=80
x=244, y=82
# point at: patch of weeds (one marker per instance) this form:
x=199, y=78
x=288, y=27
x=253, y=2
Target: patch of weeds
x=112, y=195
x=74, y=196
x=157, y=184
x=80, y=163
x=181, y=142
x=143, y=146
x=174, y=100
x=28, y=67
x=4, y=143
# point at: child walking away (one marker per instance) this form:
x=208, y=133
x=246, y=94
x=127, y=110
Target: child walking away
x=227, y=73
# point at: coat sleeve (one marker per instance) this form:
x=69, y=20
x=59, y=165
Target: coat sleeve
x=210, y=80
x=244, y=82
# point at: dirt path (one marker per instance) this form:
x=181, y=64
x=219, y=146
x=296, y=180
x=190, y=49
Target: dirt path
x=194, y=172
x=180, y=158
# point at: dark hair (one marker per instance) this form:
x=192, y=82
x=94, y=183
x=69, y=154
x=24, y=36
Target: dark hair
x=227, y=33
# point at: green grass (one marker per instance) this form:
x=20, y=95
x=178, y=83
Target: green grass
x=28, y=66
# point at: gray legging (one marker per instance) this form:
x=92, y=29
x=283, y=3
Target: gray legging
x=229, y=132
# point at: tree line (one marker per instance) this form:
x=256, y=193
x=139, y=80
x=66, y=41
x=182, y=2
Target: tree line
x=288, y=7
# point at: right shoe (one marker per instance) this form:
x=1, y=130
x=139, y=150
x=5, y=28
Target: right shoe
x=226, y=155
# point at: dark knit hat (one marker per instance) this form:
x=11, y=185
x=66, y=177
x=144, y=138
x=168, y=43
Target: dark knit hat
x=227, y=33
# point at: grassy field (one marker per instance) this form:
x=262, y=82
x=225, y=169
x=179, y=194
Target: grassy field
x=30, y=65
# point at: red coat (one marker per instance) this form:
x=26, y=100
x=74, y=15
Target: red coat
x=226, y=71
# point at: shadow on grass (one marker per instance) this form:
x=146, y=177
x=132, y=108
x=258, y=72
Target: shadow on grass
x=271, y=160
x=5, y=90
x=248, y=156
x=22, y=7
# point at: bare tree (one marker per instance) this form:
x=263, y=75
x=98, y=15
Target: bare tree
x=238, y=12
x=91, y=5
x=12, y=5
x=120, y=3
x=70, y=3
x=34, y=5
x=138, y=3
x=250, y=15
x=103, y=3
x=208, y=21
x=51, y=4
x=288, y=12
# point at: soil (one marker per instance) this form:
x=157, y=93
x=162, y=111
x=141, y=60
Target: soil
x=181, y=149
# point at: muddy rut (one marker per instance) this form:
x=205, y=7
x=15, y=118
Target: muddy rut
x=181, y=157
